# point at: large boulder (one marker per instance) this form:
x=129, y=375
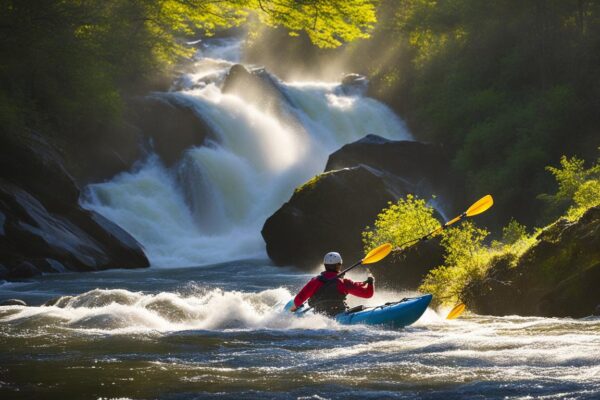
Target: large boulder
x=31, y=163
x=42, y=226
x=261, y=89
x=423, y=168
x=332, y=210
x=255, y=87
x=164, y=123
x=168, y=123
x=557, y=277
x=327, y=213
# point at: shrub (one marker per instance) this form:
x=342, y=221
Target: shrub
x=466, y=258
x=402, y=222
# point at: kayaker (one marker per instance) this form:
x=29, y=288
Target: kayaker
x=326, y=293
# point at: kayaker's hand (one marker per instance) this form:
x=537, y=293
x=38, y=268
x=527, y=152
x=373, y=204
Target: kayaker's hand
x=293, y=308
x=370, y=280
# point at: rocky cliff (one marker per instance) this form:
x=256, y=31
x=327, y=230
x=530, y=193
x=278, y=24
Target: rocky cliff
x=42, y=226
x=557, y=277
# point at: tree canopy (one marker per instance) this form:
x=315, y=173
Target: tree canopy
x=66, y=63
x=507, y=86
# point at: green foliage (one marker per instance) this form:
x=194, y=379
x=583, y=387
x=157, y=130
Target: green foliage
x=328, y=23
x=505, y=86
x=588, y=195
x=465, y=258
x=404, y=221
x=465, y=255
x=577, y=186
x=67, y=64
x=513, y=232
x=569, y=177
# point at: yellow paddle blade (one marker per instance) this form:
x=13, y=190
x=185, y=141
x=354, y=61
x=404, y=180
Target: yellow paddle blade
x=378, y=253
x=456, y=311
x=480, y=206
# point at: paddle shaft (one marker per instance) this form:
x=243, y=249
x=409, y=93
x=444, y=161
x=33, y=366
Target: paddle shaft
x=476, y=208
x=340, y=274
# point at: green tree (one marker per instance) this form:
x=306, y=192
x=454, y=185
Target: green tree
x=505, y=86
x=67, y=64
x=401, y=222
x=578, y=186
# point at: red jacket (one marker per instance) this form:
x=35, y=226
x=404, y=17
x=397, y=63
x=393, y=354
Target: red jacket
x=345, y=286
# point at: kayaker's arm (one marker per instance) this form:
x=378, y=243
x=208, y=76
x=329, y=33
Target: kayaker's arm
x=359, y=289
x=305, y=293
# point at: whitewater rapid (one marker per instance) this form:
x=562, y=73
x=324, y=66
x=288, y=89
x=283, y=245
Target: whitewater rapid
x=218, y=332
x=211, y=205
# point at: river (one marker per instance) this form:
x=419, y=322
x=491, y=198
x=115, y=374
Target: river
x=217, y=332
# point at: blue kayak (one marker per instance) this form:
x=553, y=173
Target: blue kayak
x=394, y=315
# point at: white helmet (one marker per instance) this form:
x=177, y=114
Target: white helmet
x=332, y=258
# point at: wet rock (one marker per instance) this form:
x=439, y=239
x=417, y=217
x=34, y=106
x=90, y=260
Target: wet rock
x=255, y=87
x=12, y=302
x=43, y=228
x=80, y=240
x=354, y=84
x=423, y=168
x=30, y=162
x=24, y=270
x=326, y=214
x=557, y=277
x=4, y=272
x=260, y=88
x=332, y=210
x=60, y=301
x=168, y=124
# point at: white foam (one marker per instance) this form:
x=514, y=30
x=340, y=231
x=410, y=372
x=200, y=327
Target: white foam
x=121, y=311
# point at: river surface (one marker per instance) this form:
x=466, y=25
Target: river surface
x=217, y=332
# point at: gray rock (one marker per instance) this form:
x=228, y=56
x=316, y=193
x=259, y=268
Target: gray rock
x=30, y=162
x=354, y=84
x=326, y=214
x=42, y=226
x=24, y=270
x=12, y=302
x=60, y=301
x=2, y=221
x=4, y=272
x=423, y=168
x=168, y=124
x=261, y=89
x=557, y=277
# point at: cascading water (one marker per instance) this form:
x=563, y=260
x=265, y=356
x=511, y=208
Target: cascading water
x=211, y=206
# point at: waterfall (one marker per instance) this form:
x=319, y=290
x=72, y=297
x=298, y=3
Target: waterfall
x=211, y=205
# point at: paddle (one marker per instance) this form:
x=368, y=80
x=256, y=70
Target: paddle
x=377, y=254
x=456, y=311
x=476, y=208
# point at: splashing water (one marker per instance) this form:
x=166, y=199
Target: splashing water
x=218, y=332
x=211, y=206
x=119, y=311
